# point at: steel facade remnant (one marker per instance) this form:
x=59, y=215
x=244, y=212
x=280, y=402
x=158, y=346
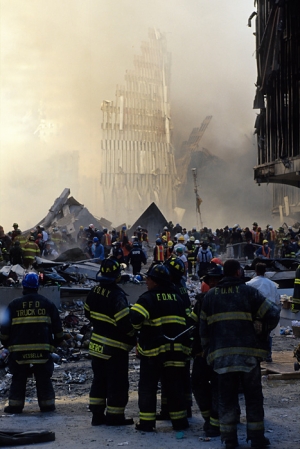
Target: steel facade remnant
x=278, y=92
x=136, y=157
x=187, y=149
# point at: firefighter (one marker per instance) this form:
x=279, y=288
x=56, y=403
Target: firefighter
x=159, y=251
x=16, y=254
x=117, y=252
x=113, y=337
x=21, y=238
x=287, y=249
x=136, y=257
x=235, y=322
x=14, y=232
x=163, y=346
x=191, y=254
x=30, y=330
x=176, y=268
x=30, y=252
x=204, y=379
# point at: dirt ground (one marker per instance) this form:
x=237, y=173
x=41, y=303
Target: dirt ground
x=71, y=422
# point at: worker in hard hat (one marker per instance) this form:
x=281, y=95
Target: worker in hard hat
x=263, y=252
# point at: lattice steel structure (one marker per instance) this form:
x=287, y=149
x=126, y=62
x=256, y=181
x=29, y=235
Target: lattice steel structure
x=136, y=157
x=278, y=91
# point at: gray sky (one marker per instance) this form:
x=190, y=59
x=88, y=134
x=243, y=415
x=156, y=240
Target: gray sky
x=61, y=58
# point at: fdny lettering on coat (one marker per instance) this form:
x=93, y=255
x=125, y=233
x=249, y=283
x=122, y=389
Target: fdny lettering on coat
x=102, y=291
x=227, y=290
x=166, y=297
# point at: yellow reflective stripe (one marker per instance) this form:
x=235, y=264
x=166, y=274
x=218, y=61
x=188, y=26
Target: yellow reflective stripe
x=32, y=347
x=254, y=352
x=264, y=308
x=255, y=425
x=4, y=337
x=99, y=355
x=118, y=316
x=46, y=402
x=33, y=361
x=59, y=335
x=178, y=415
x=97, y=401
x=297, y=281
x=174, y=363
x=147, y=416
x=140, y=309
x=194, y=316
x=16, y=403
x=115, y=410
x=31, y=319
x=164, y=348
x=214, y=422
x=229, y=316
x=296, y=300
x=101, y=317
x=110, y=342
x=205, y=413
x=171, y=319
x=227, y=428
x=203, y=315
x=87, y=307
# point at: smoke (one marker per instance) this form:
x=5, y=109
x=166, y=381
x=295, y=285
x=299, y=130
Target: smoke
x=61, y=59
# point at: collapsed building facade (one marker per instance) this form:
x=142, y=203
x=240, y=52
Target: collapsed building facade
x=137, y=165
x=278, y=100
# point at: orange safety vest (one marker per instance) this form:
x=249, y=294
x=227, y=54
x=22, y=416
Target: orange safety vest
x=107, y=240
x=272, y=236
x=267, y=255
x=257, y=236
x=160, y=253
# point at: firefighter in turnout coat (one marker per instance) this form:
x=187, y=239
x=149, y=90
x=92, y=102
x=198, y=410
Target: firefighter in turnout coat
x=235, y=322
x=30, y=329
x=112, y=338
x=159, y=315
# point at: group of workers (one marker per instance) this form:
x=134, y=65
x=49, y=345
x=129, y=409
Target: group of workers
x=226, y=334
x=22, y=248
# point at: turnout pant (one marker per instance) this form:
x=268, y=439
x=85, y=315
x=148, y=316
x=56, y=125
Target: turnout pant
x=228, y=384
x=205, y=390
x=109, y=387
x=187, y=392
x=42, y=373
x=172, y=375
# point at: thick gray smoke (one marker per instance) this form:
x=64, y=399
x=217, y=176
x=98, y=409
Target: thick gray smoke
x=60, y=59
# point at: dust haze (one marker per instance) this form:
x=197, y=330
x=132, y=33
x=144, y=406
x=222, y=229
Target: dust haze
x=61, y=58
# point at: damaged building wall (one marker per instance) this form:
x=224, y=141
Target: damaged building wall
x=137, y=165
x=278, y=92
